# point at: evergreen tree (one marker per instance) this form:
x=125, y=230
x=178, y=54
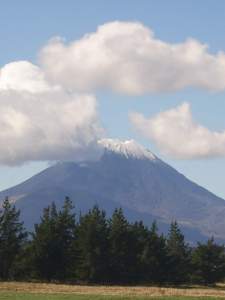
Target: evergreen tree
x=140, y=236
x=154, y=257
x=209, y=262
x=44, y=248
x=122, y=249
x=98, y=250
x=66, y=230
x=51, y=247
x=92, y=247
x=179, y=256
x=12, y=239
x=23, y=267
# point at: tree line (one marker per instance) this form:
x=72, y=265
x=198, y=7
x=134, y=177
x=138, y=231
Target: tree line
x=91, y=248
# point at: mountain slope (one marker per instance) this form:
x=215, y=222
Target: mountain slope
x=129, y=176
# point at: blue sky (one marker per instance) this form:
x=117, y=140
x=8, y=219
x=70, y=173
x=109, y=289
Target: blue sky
x=26, y=26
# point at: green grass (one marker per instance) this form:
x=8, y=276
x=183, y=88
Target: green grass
x=22, y=296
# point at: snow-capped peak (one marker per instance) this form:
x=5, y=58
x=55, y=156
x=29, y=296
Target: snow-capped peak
x=128, y=148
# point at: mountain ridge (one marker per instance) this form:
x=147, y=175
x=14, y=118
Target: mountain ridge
x=128, y=176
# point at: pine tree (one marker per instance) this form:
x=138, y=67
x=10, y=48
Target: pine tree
x=92, y=247
x=179, y=256
x=12, y=239
x=209, y=262
x=140, y=237
x=52, y=243
x=65, y=233
x=154, y=257
x=122, y=249
x=43, y=248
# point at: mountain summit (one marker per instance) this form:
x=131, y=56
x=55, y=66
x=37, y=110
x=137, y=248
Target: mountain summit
x=128, y=149
x=129, y=176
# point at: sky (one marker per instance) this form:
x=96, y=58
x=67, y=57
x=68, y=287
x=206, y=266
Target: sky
x=72, y=72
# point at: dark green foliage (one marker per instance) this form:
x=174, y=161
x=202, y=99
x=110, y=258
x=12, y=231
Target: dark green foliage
x=12, y=239
x=92, y=246
x=52, y=243
x=154, y=257
x=140, y=236
x=100, y=250
x=123, y=253
x=179, y=256
x=209, y=262
x=66, y=235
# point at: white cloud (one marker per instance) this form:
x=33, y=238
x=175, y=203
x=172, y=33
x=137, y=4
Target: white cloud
x=126, y=57
x=23, y=76
x=41, y=122
x=178, y=135
x=46, y=113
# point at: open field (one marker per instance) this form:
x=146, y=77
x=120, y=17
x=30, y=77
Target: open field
x=90, y=297
x=29, y=291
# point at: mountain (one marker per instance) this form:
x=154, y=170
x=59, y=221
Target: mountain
x=129, y=176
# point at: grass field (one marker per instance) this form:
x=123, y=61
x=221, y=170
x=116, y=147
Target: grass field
x=90, y=297
x=36, y=291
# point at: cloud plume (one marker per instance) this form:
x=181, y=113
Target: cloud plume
x=43, y=122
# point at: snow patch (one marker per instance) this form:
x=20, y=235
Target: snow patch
x=128, y=148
